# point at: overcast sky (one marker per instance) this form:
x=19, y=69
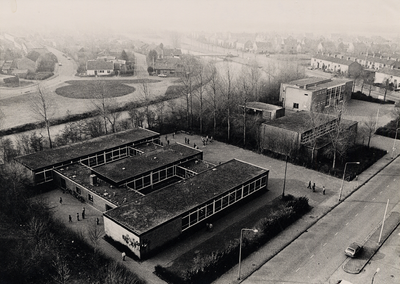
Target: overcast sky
x=318, y=16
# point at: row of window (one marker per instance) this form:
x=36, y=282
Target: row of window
x=214, y=206
x=318, y=131
x=108, y=156
x=336, y=93
x=152, y=178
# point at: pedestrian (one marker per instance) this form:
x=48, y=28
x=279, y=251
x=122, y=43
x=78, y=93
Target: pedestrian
x=83, y=213
x=173, y=135
x=323, y=190
x=97, y=221
x=188, y=141
x=309, y=185
x=60, y=200
x=166, y=137
x=123, y=256
x=194, y=145
x=313, y=187
x=70, y=218
x=77, y=216
x=185, y=140
x=168, y=142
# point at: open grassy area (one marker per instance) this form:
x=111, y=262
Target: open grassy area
x=89, y=89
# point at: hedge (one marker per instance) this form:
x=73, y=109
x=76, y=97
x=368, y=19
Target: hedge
x=363, y=97
x=209, y=267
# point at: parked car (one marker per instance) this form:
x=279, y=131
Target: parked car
x=353, y=249
x=60, y=64
x=162, y=75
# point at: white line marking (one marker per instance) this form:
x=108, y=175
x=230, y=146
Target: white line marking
x=297, y=269
x=324, y=244
x=347, y=224
x=312, y=256
x=336, y=233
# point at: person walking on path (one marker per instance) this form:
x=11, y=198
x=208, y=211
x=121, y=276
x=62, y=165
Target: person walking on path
x=83, y=213
x=123, y=256
x=188, y=141
x=97, y=221
x=323, y=190
x=185, y=140
x=60, y=200
x=77, y=216
x=70, y=218
x=309, y=185
x=313, y=187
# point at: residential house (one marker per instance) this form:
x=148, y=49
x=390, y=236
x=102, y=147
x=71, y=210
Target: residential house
x=6, y=68
x=315, y=94
x=377, y=62
x=26, y=64
x=172, y=53
x=244, y=44
x=99, y=67
x=168, y=66
x=341, y=65
x=390, y=75
x=262, y=47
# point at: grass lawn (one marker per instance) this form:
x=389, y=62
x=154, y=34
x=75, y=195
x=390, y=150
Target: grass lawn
x=185, y=262
x=89, y=89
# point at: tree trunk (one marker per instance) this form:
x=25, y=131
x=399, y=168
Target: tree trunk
x=48, y=133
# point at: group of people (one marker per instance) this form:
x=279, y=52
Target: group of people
x=313, y=187
x=77, y=215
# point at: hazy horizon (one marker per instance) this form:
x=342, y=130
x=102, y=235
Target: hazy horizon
x=293, y=16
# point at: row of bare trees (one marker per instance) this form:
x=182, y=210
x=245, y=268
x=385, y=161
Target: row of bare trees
x=217, y=94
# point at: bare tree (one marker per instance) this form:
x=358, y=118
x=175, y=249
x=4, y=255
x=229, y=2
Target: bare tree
x=44, y=108
x=116, y=273
x=136, y=116
x=227, y=90
x=245, y=92
x=63, y=273
x=369, y=127
x=146, y=96
x=95, y=234
x=214, y=93
x=201, y=81
x=106, y=106
x=187, y=79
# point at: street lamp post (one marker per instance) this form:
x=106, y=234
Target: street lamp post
x=344, y=173
x=373, y=277
x=394, y=143
x=240, y=247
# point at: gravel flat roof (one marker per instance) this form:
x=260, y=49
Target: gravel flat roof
x=125, y=169
x=66, y=153
x=156, y=208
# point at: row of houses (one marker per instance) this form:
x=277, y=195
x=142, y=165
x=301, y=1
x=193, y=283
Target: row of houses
x=385, y=70
x=260, y=43
x=105, y=65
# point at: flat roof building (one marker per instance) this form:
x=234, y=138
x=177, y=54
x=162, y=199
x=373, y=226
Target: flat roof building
x=155, y=219
x=92, y=152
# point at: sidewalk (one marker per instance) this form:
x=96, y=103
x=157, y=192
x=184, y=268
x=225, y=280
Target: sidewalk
x=216, y=152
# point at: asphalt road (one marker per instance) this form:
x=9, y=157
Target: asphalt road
x=318, y=254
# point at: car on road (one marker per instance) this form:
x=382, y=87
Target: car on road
x=59, y=64
x=353, y=249
x=162, y=75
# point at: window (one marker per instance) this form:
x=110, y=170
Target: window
x=295, y=105
x=90, y=197
x=78, y=190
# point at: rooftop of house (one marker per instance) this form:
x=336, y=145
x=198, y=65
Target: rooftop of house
x=167, y=63
x=316, y=83
x=81, y=175
x=262, y=106
x=342, y=61
x=126, y=169
x=66, y=153
x=389, y=71
x=158, y=207
x=99, y=64
x=301, y=121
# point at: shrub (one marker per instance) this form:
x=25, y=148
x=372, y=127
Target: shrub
x=207, y=268
x=363, y=97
